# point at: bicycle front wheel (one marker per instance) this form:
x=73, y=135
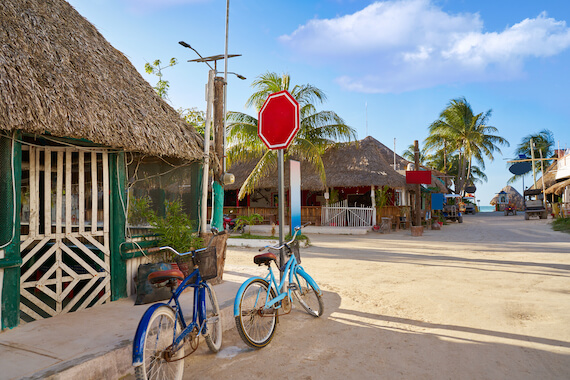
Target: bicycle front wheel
x=159, y=361
x=213, y=321
x=255, y=323
x=307, y=296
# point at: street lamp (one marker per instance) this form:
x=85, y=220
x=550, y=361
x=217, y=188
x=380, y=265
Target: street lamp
x=214, y=102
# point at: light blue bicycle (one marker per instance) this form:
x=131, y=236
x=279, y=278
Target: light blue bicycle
x=259, y=301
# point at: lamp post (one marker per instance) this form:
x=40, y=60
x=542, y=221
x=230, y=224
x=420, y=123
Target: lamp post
x=215, y=92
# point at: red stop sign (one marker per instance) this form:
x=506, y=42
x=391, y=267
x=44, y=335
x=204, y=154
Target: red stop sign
x=278, y=120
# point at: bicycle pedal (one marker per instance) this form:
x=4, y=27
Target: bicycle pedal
x=292, y=286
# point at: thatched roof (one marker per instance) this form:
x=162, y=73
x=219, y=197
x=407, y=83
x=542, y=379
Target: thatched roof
x=346, y=165
x=514, y=197
x=549, y=177
x=58, y=75
x=558, y=187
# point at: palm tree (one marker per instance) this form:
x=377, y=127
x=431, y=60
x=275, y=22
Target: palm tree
x=409, y=154
x=543, y=142
x=318, y=130
x=459, y=131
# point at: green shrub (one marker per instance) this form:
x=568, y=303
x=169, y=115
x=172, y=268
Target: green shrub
x=175, y=229
x=248, y=220
x=561, y=224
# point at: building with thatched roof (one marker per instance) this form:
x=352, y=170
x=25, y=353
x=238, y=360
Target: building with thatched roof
x=76, y=121
x=512, y=197
x=353, y=172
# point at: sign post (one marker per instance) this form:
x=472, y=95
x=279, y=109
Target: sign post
x=278, y=123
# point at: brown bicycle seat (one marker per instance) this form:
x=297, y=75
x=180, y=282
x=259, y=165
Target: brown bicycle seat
x=264, y=258
x=165, y=275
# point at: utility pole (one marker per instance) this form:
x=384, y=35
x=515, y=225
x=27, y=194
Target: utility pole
x=532, y=156
x=219, y=126
x=206, y=164
x=418, y=206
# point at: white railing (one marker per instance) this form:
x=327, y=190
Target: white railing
x=341, y=215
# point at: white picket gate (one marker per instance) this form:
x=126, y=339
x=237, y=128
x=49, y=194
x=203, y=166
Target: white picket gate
x=341, y=215
x=65, y=244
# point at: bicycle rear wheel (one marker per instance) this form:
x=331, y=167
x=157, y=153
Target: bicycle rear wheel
x=255, y=324
x=213, y=321
x=158, y=360
x=307, y=296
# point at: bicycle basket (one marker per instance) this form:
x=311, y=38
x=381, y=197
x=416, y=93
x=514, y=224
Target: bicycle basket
x=295, y=248
x=207, y=263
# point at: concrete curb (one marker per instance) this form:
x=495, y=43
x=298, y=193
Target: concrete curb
x=115, y=363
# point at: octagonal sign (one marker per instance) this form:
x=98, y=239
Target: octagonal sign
x=278, y=120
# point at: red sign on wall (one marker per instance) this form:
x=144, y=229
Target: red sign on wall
x=418, y=177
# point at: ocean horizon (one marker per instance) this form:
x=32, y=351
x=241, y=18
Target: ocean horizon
x=486, y=208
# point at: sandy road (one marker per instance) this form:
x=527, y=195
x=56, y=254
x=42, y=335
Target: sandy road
x=486, y=299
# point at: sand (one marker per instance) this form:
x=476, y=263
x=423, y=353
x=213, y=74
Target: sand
x=486, y=299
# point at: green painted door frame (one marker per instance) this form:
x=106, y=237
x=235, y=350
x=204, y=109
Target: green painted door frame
x=11, y=262
x=118, y=220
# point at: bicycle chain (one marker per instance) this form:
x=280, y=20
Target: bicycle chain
x=192, y=339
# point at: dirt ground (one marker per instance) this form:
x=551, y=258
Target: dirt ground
x=486, y=299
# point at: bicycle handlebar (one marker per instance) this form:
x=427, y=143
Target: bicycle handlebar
x=297, y=229
x=215, y=233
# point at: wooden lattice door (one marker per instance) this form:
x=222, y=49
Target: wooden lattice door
x=65, y=231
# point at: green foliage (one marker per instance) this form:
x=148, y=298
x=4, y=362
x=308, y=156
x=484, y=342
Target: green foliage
x=175, y=228
x=155, y=68
x=138, y=210
x=248, y=220
x=543, y=142
x=561, y=224
x=461, y=133
x=194, y=117
x=318, y=130
x=382, y=196
x=300, y=238
x=333, y=196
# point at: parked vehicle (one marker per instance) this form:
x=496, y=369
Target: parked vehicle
x=534, y=204
x=451, y=209
x=510, y=210
x=230, y=224
x=470, y=207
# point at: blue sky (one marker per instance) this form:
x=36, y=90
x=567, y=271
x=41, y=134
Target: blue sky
x=388, y=67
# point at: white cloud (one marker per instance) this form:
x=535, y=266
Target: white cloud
x=402, y=45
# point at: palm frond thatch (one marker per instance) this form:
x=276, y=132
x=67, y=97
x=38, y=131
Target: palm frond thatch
x=59, y=76
x=514, y=197
x=366, y=163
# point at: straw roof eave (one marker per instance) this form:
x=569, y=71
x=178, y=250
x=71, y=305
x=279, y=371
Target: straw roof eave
x=558, y=188
x=59, y=75
x=346, y=165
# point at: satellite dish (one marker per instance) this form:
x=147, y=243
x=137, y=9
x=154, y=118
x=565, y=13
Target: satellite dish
x=519, y=168
x=470, y=189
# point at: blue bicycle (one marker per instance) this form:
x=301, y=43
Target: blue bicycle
x=259, y=301
x=163, y=337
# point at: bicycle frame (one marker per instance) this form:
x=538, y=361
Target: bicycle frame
x=292, y=270
x=198, y=314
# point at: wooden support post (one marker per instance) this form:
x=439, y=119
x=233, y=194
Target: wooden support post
x=418, y=203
